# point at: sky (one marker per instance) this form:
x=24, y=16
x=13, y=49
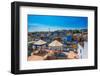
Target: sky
x=38, y=23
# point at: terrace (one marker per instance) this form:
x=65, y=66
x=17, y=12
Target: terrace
x=55, y=45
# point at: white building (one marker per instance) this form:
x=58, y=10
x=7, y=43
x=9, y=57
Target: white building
x=83, y=50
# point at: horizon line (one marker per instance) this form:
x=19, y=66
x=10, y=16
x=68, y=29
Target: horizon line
x=59, y=30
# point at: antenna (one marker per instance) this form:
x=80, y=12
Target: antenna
x=49, y=29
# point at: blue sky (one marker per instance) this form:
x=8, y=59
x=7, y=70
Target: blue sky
x=45, y=22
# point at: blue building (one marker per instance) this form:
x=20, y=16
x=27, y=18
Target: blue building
x=69, y=38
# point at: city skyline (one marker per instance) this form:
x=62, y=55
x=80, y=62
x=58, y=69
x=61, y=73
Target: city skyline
x=38, y=23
